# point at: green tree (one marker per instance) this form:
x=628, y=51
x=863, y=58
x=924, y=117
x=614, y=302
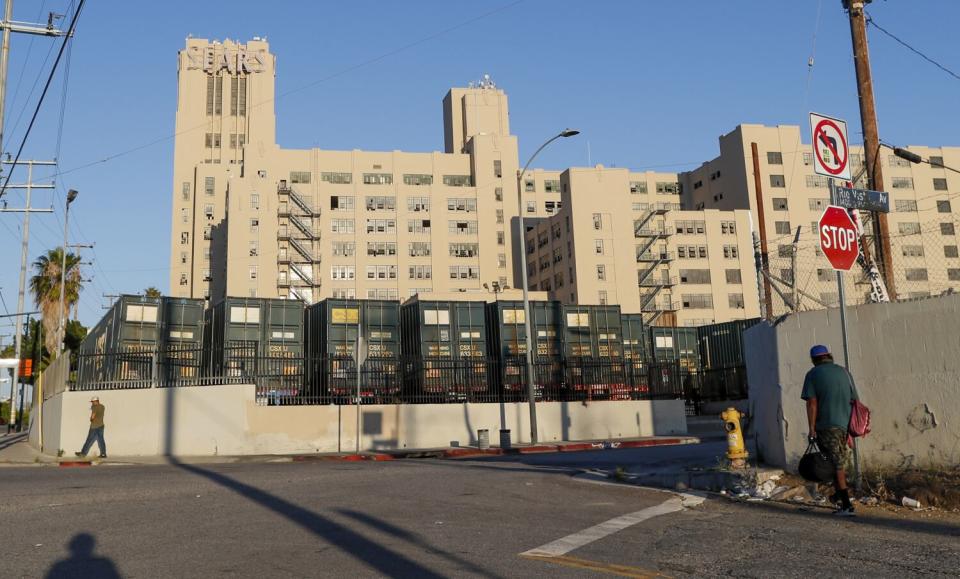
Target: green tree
x=152, y=292
x=45, y=287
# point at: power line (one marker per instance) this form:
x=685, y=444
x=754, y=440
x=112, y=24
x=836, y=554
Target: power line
x=872, y=22
x=46, y=87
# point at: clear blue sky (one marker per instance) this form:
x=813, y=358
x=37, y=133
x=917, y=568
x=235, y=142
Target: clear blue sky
x=650, y=84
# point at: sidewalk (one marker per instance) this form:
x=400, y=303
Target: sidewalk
x=19, y=453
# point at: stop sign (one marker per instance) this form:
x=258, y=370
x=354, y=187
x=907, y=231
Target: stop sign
x=839, y=239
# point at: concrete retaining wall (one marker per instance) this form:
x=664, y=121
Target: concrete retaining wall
x=905, y=358
x=225, y=420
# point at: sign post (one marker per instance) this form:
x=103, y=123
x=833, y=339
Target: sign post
x=840, y=244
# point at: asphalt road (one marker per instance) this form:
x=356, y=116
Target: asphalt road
x=425, y=518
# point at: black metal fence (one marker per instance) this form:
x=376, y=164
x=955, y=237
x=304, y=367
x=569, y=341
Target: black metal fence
x=288, y=379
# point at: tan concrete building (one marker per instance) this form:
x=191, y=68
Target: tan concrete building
x=251, y=218
x=621, y=238
x=922, y=221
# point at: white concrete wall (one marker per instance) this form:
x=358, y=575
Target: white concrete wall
x=225, y=420
x=905, y=358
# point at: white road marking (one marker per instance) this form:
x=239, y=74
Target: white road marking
x=605, y=529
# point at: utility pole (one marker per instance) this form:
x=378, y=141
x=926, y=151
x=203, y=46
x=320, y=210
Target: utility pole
x=871, y=135
x=24, y=254
x=762, y=226
x=8, y=26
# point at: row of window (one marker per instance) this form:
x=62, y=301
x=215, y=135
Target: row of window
x=416, y=179
x=389, y=272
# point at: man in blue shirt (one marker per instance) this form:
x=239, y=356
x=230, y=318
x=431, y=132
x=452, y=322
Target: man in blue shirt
x=829, y=392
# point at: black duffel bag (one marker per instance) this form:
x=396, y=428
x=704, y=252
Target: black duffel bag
x=815, y=466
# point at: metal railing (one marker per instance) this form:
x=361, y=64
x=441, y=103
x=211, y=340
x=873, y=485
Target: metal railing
x=290, y=379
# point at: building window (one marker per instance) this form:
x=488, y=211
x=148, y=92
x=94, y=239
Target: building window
x=418, y=204
x=697, y=301
x=551, y=186
x=774, y=158
x=598, y=246
x=784, y=250
x=304, y=176
x=209, y=185
x=185, y=191
x=903, y=205
x=896, y=161
x=381, y=226
x=377, y=179
x=500, y=238
x=342, y=226
x=912, y=250
x=950, y=251
x=818, y=204
x=183, y=258
x=464, y=272
x=502, y=261
x=462, y=204
x=943, y=207
x=253, y=272
x=499, y=215
x=254, y=225
x=808, y=159
x=601, y=297
x=939, y=184
x=668, y=188
x=734, y=276
x=498, y=193
x=903, y=182
x=462, y=227
x=945, y=229
x=915, y=274
x=728, y=227
x=457, y=180
x=254, y=248
x=529, y=186
x=419, y=249
x=698, y=276
x=417, y=179
x=953, y=274
x=381, y=272
x=909, y=228
x=341, y=202
x=777, y=181
x=332, y=177
x=380, y=203
x=936, y=161
x=779, y=203
x=255, y=201
x=597, y=221
x=638, y=187
x=464, y=249
x=531, y=206
x=381, y=248
x=343, y=272
x=602, y=272
x=497, y=169
x=730, y=251
x=826, y=275
x=735, y=301
x=344, y=248
x=420, y=272
x=817, y=181
x=782, y=227
x=418, y=226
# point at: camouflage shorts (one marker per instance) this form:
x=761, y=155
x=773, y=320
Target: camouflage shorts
x=833, y=443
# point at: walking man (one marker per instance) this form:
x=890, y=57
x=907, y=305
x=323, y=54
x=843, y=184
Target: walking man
x=96, y=429
x=829, y=391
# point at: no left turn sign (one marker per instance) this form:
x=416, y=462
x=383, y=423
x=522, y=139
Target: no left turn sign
x=831, y=150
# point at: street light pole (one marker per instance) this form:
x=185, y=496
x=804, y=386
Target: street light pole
x=61, y=327
x=531, y=394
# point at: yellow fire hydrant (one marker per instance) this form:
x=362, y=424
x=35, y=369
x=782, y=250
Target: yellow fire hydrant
x=736, y=450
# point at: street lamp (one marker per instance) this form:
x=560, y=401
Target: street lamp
x=61, y=333
x=531, y=394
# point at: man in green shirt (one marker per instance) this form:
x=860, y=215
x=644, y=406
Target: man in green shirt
x=96, y=429
x=828, y=390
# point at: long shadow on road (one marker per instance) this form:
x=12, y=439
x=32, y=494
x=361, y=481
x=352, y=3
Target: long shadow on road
x=386, y=561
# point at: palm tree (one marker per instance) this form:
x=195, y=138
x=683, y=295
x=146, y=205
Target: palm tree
x=152, y=292
x=45, y=287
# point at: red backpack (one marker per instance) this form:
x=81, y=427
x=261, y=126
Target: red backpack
x=859, y=416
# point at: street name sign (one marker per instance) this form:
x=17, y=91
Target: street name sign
x=839, y=240
x=831, y=150
x=863, y=199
